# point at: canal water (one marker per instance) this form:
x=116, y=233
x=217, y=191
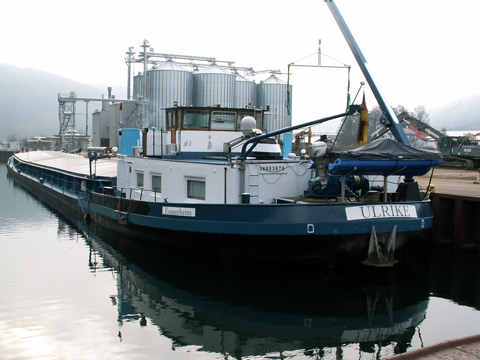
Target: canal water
x=72, y=292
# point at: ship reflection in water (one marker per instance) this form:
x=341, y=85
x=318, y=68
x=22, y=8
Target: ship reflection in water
x=242, y=310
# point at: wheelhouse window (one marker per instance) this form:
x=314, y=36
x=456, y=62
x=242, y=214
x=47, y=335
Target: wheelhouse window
x=188, y=118
x=223, y=120
x=140, y=179
x=257, y=116
x=157, y=183
x=196, y=119
x=196, y=189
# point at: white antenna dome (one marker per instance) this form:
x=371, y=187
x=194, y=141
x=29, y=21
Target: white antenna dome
x=247, y=125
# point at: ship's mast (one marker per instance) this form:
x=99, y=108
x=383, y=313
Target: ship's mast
x=391, y=120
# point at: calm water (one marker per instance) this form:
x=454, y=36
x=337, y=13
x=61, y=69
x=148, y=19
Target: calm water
x=68, y=293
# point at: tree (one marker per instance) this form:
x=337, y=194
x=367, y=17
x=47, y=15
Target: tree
x=24, y=141
x=374, y=119
x=347, y=134
x=421, y=114
x=400, y=109
x=12, y=137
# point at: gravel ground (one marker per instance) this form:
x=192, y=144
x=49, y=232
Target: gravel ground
x=452, y=181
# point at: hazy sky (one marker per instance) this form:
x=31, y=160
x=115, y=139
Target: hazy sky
x=422, y=52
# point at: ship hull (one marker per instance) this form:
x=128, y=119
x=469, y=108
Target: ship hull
x=325, y=232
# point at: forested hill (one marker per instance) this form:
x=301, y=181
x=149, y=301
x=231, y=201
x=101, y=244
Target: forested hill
x=29, y=103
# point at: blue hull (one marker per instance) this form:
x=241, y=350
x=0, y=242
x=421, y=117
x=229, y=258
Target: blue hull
x=275, y=219
x=284, y=232
x=335, y=232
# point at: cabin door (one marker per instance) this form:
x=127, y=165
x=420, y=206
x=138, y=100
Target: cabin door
x=173, y=125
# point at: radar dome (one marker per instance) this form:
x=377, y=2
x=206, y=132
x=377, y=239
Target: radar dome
x=247, y=125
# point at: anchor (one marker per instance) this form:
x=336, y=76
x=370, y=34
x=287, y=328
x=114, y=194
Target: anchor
x=123, y=220
x=378, y=254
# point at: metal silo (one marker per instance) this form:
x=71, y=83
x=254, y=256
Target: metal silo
x=138, y=85
x=245, y=92
x=165, y=85
x=273, y=93
x=214, y=86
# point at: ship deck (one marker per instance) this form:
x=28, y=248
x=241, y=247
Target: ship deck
x=70, y=163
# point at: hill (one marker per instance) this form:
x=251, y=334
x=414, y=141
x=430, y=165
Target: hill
x=458, y=115
x=29, y=104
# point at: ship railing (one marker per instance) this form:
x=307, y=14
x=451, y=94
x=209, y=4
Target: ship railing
x=140, y=194
x=59, y=182
x=66, y=184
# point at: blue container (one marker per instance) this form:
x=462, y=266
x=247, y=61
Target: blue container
x=127, y=139
x=287, y=144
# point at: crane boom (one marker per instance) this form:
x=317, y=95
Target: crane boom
x=427, y=129
x=391, y=120
x=434, y=133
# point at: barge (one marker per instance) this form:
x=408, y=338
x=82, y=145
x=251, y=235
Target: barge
x=221, y=185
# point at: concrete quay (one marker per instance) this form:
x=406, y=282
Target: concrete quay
x=455, y=207
x=4, y=155
x=458, y=349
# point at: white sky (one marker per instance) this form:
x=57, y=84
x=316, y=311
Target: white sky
x=421, y=52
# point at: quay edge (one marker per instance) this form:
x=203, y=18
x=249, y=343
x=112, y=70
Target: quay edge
x=5, y=155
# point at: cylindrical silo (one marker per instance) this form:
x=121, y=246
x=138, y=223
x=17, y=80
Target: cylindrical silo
x=273, y=93
x=214, y=86
x=245, y=92
x=165, y=85
x=138, y=85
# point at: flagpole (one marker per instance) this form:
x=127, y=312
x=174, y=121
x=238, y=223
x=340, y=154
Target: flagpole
x=358, y=92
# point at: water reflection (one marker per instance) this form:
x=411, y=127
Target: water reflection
x=252, y=310
x=455, y=276
x=241, y=310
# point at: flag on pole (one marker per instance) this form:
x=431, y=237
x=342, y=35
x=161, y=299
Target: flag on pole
x=362, y=134
x=121, y=107
x=289, y=105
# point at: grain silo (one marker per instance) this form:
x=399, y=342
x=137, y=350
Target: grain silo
x=214, y=86
x=272, y=94
x=245, y=92
x=167, y=84
x=138, y=85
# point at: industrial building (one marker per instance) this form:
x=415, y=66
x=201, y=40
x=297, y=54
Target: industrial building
x=178, y=80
